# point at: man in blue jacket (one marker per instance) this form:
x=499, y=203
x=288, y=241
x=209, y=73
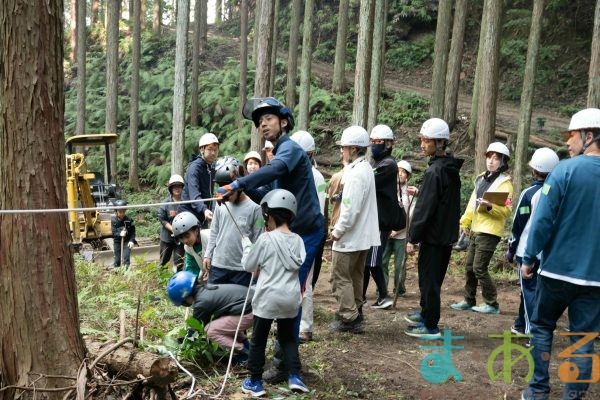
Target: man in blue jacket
x=565, y=229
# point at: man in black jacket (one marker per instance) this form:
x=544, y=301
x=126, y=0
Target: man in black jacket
x=434, y=225
x=123, y=234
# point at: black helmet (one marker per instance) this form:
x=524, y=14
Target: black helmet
x=120, y=203
x=224, y=168
x=258, y=106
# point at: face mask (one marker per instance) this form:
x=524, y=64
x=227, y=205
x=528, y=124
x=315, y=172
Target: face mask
x=377, y=150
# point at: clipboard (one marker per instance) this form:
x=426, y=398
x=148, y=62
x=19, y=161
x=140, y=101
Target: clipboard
x=497, y=198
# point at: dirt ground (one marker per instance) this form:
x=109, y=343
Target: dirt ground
x=384, y=363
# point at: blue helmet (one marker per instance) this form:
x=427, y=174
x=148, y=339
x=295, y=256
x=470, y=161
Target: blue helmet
x=180, y=286
x=258, y=106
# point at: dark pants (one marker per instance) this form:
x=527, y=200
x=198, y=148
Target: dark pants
x=373, y=267
x=553, y=296
x=287, y=342
x=222, y=275
x=433, y=263
x=481, y=250
x=117, y=252
x=318, y=261
x=527, y=304
x=172, y=249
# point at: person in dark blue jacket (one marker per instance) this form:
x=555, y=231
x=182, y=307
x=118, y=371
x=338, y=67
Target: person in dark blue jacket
x=289, y=169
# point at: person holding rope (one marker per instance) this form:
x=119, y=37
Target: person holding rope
x=123, y=233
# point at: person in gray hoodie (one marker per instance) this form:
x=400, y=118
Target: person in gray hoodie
x=276, y=256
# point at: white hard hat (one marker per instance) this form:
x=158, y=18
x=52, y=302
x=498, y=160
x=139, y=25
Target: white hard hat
x=544, y=160
x=585, y=119
x=435, y=128
x=207, y=138
x=354, y=136
x=268, y=145
x=305, y=140
x=405, y=165
x=253, y=154
x=499, y=148
x=382, y=132
x=175, y=179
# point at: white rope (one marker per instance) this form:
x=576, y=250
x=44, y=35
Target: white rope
x=187, y=372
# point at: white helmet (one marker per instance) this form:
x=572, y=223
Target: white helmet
x=435, y=128
x=207, y=138
x=382, y=132
x=499, y=148
x=405, y=165
x=253, y=154
x=268, y=145
x=584, y=119
x=544, y=160
x=354, y=136
x=183, y=222
x=175, y=179
x=305, y=140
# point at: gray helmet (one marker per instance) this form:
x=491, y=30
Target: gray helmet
x=183, y=222
x=224, y=167
x=280, y=198
x=120, y=203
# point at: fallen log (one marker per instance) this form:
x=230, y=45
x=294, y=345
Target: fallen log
x=128, y=363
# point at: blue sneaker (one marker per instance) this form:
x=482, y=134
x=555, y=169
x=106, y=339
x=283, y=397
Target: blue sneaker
x=486, y=309
x=462, y=306
x=253, y=388
x=295, y=384
x=414, y=317
x=422, y=332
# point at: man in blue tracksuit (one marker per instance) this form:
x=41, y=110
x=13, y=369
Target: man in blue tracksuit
x=565, y=228
x=289, y=169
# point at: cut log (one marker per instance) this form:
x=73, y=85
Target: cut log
x=129, y=363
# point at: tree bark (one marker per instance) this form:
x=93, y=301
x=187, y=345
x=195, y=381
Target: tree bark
x=476, y=81
x=305, y=65
x=156, y=17
x=143, y=14
x=73, y=37
x=593, y=98
x=134, y=181
x=112, y=78
x=292, y=70
x=440, y=60
x=273, y=59
x=243, y=59
x=486, y=113
x=363, y=63
x=203, y=26
x=263, y=54
x=218, y=12
x=455, y=62
x=95, y=8
x=39, y=327
x=195, y=63
x=257, y=16
x=524, y=127
x=377, y=62
x=81, y=49
x=339, y=68
x=178, y=131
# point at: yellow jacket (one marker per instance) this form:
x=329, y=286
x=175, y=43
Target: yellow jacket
x=479, y=219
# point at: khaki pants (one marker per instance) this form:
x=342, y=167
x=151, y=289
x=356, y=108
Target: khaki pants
x=347, y=274
x=481, y=250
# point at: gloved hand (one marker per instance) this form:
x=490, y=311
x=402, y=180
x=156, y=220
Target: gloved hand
x=510, y=256
x=123, y=232
x=224, y=192
x=130, y=245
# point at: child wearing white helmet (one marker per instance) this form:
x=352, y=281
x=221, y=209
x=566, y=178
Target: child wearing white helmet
x=542, y=163
x=186, y=229
x=169, y=247
x=486, y=222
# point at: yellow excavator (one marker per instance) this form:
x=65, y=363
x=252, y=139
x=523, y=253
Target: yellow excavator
x=86, y=189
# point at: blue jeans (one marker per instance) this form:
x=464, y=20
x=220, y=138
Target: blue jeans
x=583, y=302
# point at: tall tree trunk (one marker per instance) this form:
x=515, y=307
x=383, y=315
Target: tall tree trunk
x=218, y=12
x=440, y=60
x=305, y=65
x=527, y=96
x=39, y=327
x=476, y=81
x=273, y=61
x=363, y=63
x=112, y=78
x=73, y=37
x=243, y=59
x=339, y=68
x=95, y=7
x=263, y=54
x=292, y=71
x=257, y=16
x=377, y=61
x=81, y=48
x=593, y=98
x=203, y=26
x=455, y=62
x=156, y=17
x=178, y=132
x=486, y=114
x=143, y=14
x=135, y=95
x=195, y=63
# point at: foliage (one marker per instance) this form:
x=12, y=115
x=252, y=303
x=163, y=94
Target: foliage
x=408, y=54
x=420, y=10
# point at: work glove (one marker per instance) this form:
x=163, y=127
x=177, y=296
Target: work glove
x=123, y=232
x=246, y=246
x=225, y=192
x=130, y=245
x=510, y=256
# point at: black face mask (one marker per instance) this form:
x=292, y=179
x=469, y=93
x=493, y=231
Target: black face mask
x=378, y=150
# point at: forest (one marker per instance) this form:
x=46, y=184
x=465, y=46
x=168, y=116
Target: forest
x=161, y=73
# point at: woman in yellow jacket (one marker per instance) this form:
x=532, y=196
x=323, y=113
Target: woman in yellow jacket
x=486, y=220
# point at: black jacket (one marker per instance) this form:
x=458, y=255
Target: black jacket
x=386, y=190
x=215, y=301
x=199, y=182
x=117, y=226
x=435, y=219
